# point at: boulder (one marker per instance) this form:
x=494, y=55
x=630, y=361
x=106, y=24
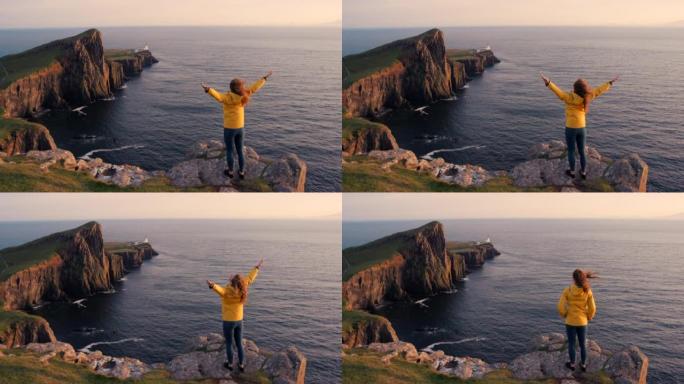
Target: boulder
x=119, y=367
x=629, y=174
x=464, y=368
x=48, y=158
x=120, y=175
x=388, y=158
x=629, y=366
x=207, y=354
x=463, y=175
x=205, y=163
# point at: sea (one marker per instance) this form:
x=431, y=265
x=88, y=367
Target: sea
x=505, y=111
x=160, y=114
x=499, y=308
x=157, y=309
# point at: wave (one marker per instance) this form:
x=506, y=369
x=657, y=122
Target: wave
x=88, y=155
x=429, y=155
x=87, y=348
x=430, y=348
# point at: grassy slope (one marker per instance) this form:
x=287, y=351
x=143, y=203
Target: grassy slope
x=355, y=259
x=361, y=366
x=361, y=174
x=351, y=127
x=14, y=259
x=355, y=67
x=351, y=318
x=8, y=318
x=10, y=125
x=460, y=54
x=119, y=54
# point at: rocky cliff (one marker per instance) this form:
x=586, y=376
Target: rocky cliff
x=22, y=136
x=410, y=264
x=544, y=360
x=408, y=72
x=474, y=254
x=360, y=136
x=362, y=328
x=124, y=64
x=63, y=266
x=18, y=328
x=62, y=74
x=132, y=255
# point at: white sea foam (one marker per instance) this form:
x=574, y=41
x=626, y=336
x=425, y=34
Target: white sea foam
x=88, y=155
x=429, y=156
x=430, y=348
x=88, y=347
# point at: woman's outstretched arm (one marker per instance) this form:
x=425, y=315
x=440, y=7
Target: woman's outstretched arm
x=254, y=272
x=260, y=83
x=216, y=288
x=214, y=93
x=604, y=87
x=564, y=96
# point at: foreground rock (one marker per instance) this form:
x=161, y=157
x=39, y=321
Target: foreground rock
x=29, y=329
x=206, y=162
x=368, y=329
x=545, y=360
x=365, y=138
x=548, y=162
x=208, y=353
x=26, y=138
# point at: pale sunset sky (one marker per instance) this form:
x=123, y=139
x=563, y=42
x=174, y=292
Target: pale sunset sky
x=445, y=13
x=87, y=13
x=96, y=206
x=437, y=206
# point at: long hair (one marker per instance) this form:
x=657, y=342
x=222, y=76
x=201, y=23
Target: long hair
x=583, y=90
x=581, y=279
x=238, y=283
x=237, y=86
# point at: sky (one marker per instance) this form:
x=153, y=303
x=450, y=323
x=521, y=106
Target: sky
x=448, y=13
x=95, y=206
x=89, y=13
x=438, y=206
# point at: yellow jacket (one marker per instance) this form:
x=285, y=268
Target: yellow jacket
x=576, y=306
x=231, y=307
x=575, y=116
x=233, y=110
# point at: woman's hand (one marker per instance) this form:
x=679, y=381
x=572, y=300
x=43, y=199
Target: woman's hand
x=259, y=264
x=268, y=75
x=210, y=284
x=616, y=78
x=547, y=81
x=205, y=87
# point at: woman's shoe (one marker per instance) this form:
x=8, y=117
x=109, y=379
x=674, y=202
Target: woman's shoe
x=584, y=175
x=228, y=173
x=242, y=367
x=242, y=175
x=570, y=173
x=583, y=367
x=570, y=366
x=228, y=366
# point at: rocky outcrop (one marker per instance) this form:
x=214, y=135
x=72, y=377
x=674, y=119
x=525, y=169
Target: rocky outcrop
x=367, y=330
x=472, y=64
x=25, y=138
x=367, y=138
x=420, y=266
x=476, y=255
x=545, y=359
x=26, y=329
x=206, y=162
x=78, y=266
x=206, y=355
x=133, y=254
x=548, y=162
x=420, y=74
x=78, y=75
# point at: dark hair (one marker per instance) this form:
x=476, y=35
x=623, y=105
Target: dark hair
x=237, y=87
x=581, y=279
x=238, y=283
x=583, y=90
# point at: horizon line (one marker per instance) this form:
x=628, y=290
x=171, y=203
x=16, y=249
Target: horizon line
x=667, y=25
x=321, y=25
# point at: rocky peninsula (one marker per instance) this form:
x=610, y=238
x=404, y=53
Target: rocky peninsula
x=418, y=71
x=78, y=263
x=418, y=263
x=78, y=71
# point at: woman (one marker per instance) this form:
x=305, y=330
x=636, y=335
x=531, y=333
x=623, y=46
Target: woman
x=576, y=109
x=577, y=307
x=233, y=299
x=234, y=103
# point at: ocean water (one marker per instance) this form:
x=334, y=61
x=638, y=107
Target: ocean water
x=158, y=308
x=162, y=113
x=494, y=314
x=507, y=110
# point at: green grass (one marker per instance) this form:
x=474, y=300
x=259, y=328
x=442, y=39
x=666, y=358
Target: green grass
x=26, y=176
x=11, y=125
x=7, y=318
x=460, y=54
x=119, y=54
x=350, y=319
x=361, y=174
x=360, y=366
x=14, y=259
x=355, y=67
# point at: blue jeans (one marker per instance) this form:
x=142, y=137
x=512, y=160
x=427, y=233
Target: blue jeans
x=577, y=334
x=232, y=330
x=234, y=137
x=576, y=138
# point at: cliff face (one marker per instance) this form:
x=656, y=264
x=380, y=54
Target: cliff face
x=367, y=330
x=27, y=329
x=78, y=267
x=477, y=255
x=27, y=137
x=78, y=75
x=134, y=256
x=421, y=266
x=360, y=136
x=422, y=73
